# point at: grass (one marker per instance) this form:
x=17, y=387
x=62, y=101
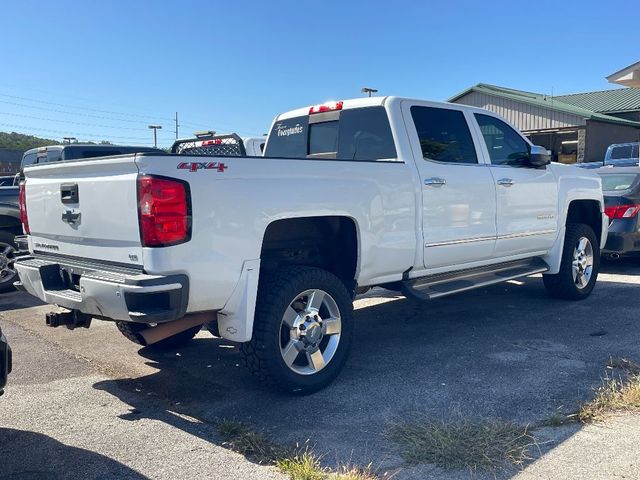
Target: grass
x=559, y=419
x=457, y=442
x=619, y=392
x=300, y=463
x=303, y=465
x=240, y=438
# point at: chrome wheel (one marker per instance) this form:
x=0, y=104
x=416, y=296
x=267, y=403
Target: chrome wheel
x=7, y=257
x=310, y=332
x=582, y=264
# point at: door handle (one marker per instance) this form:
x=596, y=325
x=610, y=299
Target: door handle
x=434, y=182
x=505, y=182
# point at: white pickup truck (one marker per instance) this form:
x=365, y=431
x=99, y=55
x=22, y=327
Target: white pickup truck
x=426, y=198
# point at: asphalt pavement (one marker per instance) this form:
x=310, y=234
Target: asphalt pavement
x=90, y=404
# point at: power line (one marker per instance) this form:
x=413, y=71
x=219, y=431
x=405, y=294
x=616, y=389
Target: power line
x=70, y=113
x=74, y=96
x=84, y=108
x=69, y=121
x=196, y=124
x=78, y=134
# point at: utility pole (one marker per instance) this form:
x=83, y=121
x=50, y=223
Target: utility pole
x=368, y=90
x=69, y=139
x=155, y=134
x=177, y=125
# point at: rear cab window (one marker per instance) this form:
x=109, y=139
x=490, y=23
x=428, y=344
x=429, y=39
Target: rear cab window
x=621, y=152
x=358, y=134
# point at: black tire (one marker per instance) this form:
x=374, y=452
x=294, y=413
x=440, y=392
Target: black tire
x=131, y=331
x=276, y=292
x=8, y=248
x=562, y=285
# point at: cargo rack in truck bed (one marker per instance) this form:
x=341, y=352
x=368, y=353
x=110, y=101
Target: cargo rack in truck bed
x=208, y=143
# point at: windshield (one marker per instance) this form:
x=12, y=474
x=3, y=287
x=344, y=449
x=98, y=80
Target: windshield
x=619, y=181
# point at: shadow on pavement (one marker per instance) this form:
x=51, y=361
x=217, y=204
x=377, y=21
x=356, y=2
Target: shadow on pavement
x=507, y=352
x=15, y=300
x=35, y=456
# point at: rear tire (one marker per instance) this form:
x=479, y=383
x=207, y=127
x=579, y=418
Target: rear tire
x=8, y=250
x=131, y=331
x=302, y=329
x=579, y=266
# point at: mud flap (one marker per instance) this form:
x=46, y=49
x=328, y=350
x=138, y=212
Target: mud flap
x=235, y=320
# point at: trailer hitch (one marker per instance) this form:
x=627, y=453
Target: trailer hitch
x=69, y=318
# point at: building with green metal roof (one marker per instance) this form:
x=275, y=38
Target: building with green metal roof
x=576, y=128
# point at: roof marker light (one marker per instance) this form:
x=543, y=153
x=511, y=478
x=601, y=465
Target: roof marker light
x=326, y=107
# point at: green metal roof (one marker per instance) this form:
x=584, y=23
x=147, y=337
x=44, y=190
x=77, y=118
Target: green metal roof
x=618, y=100
x=545, y=101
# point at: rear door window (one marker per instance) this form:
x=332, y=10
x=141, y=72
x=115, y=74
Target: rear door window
x=357, y=134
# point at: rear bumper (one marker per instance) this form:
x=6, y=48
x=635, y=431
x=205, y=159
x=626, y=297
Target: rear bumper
x=102, y=291
x=5, y=361
x=622, y=242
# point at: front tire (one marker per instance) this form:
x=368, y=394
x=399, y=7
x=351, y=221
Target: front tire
x=302, y=330
x=579, y=266
x=131, y=331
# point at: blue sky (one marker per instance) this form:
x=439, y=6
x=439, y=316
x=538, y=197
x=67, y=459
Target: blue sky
x=105, y=70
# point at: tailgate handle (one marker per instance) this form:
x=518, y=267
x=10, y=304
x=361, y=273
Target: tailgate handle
x=69, y=193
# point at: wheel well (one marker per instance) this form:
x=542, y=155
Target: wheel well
x=330, y=243
x=587, y=212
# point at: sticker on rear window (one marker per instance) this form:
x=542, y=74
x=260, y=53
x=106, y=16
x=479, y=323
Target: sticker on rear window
x=285, y=131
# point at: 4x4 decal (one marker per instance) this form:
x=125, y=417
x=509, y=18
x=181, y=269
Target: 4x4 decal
x=195, y=166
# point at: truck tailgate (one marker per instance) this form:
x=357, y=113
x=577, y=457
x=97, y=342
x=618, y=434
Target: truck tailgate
x=85, y=209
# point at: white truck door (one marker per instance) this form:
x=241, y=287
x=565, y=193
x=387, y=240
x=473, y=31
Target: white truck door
x=527, y=197
x=458, y=191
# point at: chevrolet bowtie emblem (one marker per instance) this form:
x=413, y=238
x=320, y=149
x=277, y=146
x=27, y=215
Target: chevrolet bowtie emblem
x=71, y=217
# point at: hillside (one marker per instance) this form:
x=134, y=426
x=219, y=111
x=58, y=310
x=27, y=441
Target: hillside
x=21, y=142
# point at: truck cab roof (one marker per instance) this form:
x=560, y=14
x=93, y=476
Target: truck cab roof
x=367, y=102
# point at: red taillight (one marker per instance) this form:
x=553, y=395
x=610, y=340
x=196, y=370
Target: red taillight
x=217, y=141
x=22, y=200
x=163, y=207
x=622, y=211
x=326, y=107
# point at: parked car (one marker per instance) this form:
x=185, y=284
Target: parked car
x=6, y=181
x=428, y=198
x=621, y=187
x=5, y=361
x=617, y=155
x=622, y=155
x=208, y=143
x=10, y=223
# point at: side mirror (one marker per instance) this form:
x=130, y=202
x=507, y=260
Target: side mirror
x=539, y=156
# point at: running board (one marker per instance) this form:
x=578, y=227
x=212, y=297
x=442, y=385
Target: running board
x=440, y=285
